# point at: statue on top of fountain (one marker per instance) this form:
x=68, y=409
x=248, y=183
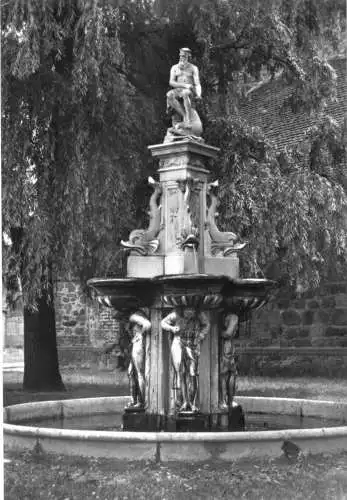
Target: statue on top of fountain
x=186, y=88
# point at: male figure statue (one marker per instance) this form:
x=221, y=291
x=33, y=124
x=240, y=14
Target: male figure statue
x=189, y=328
x=185, y=83
x=139, y=325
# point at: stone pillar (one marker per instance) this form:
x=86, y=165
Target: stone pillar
x=183, y=176
x=158, y=375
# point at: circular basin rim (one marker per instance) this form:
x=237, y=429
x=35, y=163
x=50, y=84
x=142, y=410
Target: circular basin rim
x=248, y=436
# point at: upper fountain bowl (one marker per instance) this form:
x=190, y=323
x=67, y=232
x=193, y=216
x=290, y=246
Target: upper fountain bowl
x=188, y=290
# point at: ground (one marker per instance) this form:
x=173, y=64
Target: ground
x=33, y=476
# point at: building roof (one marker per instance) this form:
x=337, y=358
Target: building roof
x=263, y=108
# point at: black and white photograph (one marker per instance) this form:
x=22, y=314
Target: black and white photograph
x=174, y=249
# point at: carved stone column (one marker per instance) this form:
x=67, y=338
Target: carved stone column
x=183, y=177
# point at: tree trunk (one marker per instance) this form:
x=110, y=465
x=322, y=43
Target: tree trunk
x=41, y=366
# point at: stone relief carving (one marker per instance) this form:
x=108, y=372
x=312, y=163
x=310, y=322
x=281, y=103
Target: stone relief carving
x=189, y=327
x=179, y=131
x=144, y=241
x=189, y=237
x=197, y=300
x=227, y=365
x=173, y=217
x=181, y=162
x=222, y=243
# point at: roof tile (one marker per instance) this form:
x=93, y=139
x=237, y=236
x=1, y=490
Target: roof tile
x=263, y=108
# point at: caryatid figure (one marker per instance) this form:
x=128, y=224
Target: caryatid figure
x=189, y=328
x=139, y=326
x=185, y=83
x=228, y=368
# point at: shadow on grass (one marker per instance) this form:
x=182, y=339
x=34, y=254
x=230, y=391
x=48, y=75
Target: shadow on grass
x=14, y=394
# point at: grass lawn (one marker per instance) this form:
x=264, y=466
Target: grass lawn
x=45, y=477
x=35, y=476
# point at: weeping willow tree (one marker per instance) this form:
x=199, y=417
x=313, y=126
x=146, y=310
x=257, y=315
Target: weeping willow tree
x=83, y=88
x=74, y=132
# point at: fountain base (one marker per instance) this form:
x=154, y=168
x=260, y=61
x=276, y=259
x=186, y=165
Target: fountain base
x=46, y=424
x=232, y=420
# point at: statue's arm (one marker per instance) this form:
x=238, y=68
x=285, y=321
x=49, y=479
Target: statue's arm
x=173, y=80
x=168, y=323
x=197, y=84
x=204, y=326
x=230, y=331
x=141, y=320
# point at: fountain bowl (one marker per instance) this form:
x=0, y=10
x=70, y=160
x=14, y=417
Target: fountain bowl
x=171, y=446
x=239, y=295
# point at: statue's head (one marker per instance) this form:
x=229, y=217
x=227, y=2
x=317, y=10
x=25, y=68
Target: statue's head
x=185, y=55
x=188, y=312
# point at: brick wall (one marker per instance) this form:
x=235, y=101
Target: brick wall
x=84, y=327
x=316, y=319
x=296, y=336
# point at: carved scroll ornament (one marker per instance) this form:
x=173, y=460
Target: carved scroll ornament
x=144, y=241
x=222, y=243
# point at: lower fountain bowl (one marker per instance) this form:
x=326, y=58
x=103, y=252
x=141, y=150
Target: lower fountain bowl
x=172, y=446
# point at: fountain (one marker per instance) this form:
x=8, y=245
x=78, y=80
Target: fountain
x=182, y=296
x=182, y=300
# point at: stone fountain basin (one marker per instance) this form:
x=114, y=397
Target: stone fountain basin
x=172, y=446
x=236, y=295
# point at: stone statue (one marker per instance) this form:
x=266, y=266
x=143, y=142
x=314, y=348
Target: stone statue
x=228, y=368
x=143, y=241
x=189, y=328
x=138, y=326
x=186, y=88
x=222, y=243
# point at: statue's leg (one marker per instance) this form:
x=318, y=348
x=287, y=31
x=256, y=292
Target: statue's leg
x=141, y=388
x=138, y=360
x=174, y=103
x=132, y=384
x=194, y=383
x=176, y=355
x=231, y=387
x=178, y=360
x=184, y=389
x=186, y=94
x=227, y=389
x=189, y=380
x=223, y=390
